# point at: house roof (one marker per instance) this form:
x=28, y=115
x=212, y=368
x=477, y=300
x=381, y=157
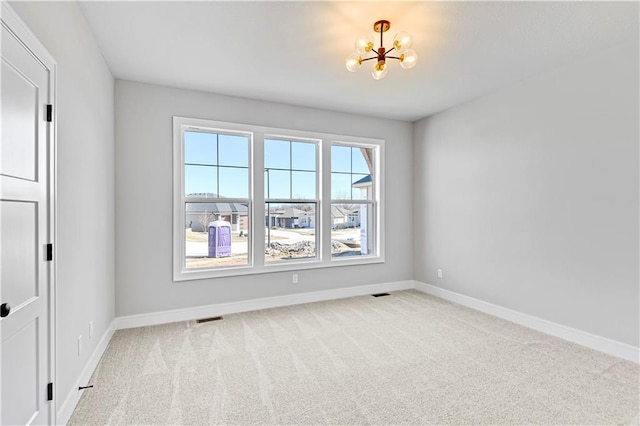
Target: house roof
x=365, y=181
x=288, y=212
x=339, y=211
x=216, y=208
x=203, y=195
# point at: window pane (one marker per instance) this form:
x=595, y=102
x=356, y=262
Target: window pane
x=200, y=148
x=340, y=158
x=290, y=231
x=234, y=182
x=278, y=183
x=233, y=150
x=359, y=163
x=303, y=156
x=277, y=154
x=216, y=235
x=351, y=230
x=361, y=187
x=303, y=185
x=341, y=186
x=201, y=181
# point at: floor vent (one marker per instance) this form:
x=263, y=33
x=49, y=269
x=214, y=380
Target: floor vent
x=380, y=294
x=200, y=321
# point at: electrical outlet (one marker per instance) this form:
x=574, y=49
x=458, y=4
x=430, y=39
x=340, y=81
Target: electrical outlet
x=439, y=272
x=294, y=279
x=90, y=329
x=79, y=345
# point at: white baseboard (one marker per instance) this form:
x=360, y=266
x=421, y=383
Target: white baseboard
x=599, y=343
x=188, y=314
x=66, y=409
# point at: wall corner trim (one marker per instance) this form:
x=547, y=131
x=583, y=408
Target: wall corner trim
x=599, y=343
x=197, y=312
x=69, y=405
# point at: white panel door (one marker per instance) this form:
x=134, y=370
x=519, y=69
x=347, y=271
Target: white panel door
x=25, y=220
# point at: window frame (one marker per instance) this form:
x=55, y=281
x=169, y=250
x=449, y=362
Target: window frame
x=257, y=199
x=373, y=203
x=317, y=143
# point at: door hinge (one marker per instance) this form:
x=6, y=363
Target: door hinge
x=49, y=252
x=49, y=113
x=50, y=392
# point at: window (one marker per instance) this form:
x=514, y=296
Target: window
x=216, y=199
x=353, y=200
x=291, y=199
x=251, y=199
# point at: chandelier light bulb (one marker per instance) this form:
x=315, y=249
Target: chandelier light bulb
x=379, y=71
x=408, y=59
x=402, y=41
x=353, y=62
x=364, y=44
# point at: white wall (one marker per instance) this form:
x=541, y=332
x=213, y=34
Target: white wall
x=85, y=186
x=144, y=198
x=528, y=197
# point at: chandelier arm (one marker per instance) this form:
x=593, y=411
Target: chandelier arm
x=393, y=57
x=368, y=59
x=389, y=51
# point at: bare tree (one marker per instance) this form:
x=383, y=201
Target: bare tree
x=205, y=218
x=344, y=196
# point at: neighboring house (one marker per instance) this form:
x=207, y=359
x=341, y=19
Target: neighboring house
x=307, y=220
x=344, y=217
x=290, y=218
x=366, y=187
x=199, y=215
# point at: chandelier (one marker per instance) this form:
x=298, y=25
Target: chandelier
x=364, y=45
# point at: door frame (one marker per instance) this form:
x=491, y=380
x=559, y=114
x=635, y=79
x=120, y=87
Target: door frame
x=14, y=24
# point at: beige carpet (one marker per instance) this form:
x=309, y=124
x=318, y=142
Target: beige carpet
x=407, y=358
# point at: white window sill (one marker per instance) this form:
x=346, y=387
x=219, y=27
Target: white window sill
x=283, y=266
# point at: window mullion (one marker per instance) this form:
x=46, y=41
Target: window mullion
x=290, y=169
x=259, y=211
x=324, y=218
x=217, y=165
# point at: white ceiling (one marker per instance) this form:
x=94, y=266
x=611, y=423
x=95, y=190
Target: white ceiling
x=293, y=52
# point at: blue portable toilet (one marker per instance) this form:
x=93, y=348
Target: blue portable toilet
x=219, y=239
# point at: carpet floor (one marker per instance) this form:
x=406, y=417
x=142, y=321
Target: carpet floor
x=406, y=358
